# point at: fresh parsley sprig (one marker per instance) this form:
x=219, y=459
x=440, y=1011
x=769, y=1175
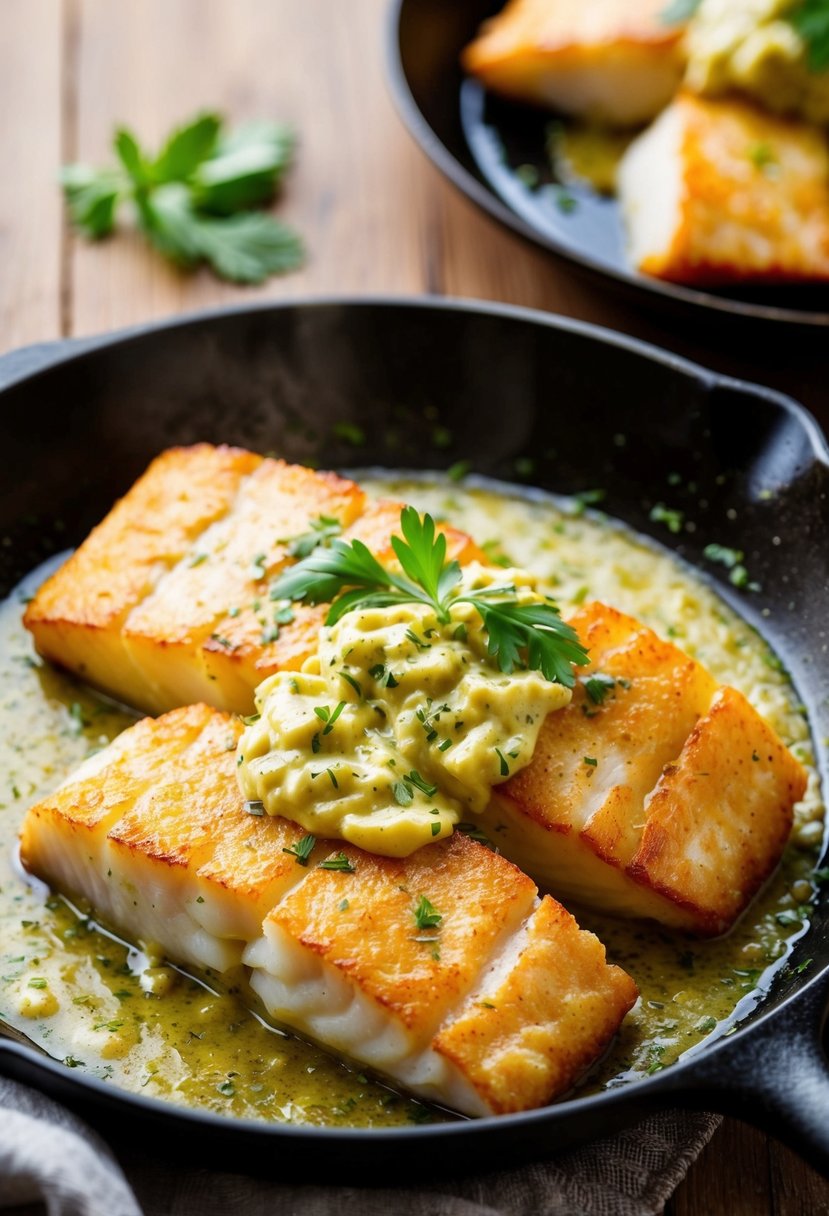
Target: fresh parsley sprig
x=426, y=915
x=348, y=576
x=194, y=200
x=811, y=20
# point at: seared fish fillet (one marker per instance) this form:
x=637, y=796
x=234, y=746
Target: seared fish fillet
x=499, y=1006
x=166, y=601
x=718, y=191
x=668, y=798
x=614, y=61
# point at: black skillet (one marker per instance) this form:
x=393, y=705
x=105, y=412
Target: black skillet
x=479, y=142
x=520, y=393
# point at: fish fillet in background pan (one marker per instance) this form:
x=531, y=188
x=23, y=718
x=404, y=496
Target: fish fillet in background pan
x=719, y=192
x=614, y=61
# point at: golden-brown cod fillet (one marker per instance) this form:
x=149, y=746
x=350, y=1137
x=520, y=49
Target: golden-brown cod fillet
x=614, y=61
x=720, y=191
x=167, y=601
x=78, y=615
x=489, y=1000
x=661, y=795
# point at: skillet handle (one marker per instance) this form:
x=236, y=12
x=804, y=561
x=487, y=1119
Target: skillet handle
x=776, y=1076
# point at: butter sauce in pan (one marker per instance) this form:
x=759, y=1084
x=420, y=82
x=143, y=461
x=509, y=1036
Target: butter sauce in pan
x=98, y=1005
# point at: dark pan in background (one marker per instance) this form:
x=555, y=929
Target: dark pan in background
x=478, y=141
x=81, y=420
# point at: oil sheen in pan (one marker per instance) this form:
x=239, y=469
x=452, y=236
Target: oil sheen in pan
x=99, y=1006
x=510, y=144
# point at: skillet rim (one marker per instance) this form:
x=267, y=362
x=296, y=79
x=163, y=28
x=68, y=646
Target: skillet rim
x=653, y=1092
x=41, y=357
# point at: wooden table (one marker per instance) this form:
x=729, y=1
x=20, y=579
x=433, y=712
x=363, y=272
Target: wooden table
x=376, y=217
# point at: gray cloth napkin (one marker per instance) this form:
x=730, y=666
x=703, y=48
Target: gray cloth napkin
x=47, y=1154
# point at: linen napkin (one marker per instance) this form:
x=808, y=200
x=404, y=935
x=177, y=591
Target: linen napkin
x=49, y=1155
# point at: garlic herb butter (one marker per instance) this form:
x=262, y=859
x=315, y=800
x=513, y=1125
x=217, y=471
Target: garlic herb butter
x=405, y=721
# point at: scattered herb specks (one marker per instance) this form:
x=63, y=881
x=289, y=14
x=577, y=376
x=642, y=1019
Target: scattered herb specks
x=598, y=686
x=302, y=850
x=670, y=517
x=338, y=862
x=321, y=532
x=426, y=916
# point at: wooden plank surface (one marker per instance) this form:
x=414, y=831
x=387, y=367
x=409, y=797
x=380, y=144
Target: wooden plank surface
x=31, y=225
x=376, y=217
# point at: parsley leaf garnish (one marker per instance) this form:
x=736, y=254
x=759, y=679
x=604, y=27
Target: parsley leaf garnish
x=403, y=793
x=338, y=862
x=302, y=850
x=325, y=715
x=426, y=915
x=519, y=635
x=425, y=787
x=598, y=686
x=193, y=199
x=403, y=790
x=811, y=20
x=321, y=531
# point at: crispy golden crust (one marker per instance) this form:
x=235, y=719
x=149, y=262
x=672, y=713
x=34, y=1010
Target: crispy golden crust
x=178, y=860
x=570, y=27
x=77, y=615
x=236, y=654
x=533, y=1032
x=720, y=817
x=176, y=817
x=167, y=602
x=754, y=198
x=212, y=613
x=616, y=60
x=635, y=732
x=90, y=806
x=374, y=940
x=183, y=491
x=154, y=832
x=380, y=521
x=675, y=819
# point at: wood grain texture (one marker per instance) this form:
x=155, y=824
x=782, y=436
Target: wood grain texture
x=31, y=226
x=375, y=215
x=377, y=218
x=315, y=65
x=731, y=1177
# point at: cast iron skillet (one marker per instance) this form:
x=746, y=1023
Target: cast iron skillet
x=478, y=141
x=516, y=390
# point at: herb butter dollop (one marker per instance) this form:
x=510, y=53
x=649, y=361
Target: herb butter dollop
x=399, y=728
x=761, y=48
